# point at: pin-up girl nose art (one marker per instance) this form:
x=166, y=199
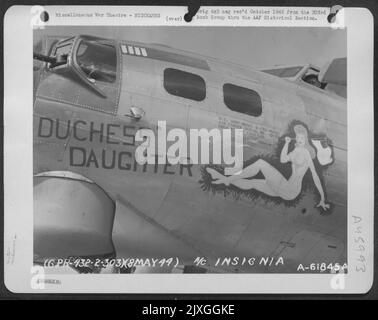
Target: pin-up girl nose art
x=266, y=178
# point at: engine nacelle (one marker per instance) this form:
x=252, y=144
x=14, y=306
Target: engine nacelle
x=73, y=217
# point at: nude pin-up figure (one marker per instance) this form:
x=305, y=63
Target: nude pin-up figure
x=274, y=183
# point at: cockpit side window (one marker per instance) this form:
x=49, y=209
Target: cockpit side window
x=184, y=84
x=63, y=49
x=242, y=100
x=97, y=60
x=311, y=77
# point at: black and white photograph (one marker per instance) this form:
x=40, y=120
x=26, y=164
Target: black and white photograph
x=216, y=149
x=283, y=210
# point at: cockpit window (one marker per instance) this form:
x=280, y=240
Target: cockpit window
x=63, y=49
x=311, y=77
x=97, y=60
x=284, y=72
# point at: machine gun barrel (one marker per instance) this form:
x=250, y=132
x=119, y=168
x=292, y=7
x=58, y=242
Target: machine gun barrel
x=44, y=58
